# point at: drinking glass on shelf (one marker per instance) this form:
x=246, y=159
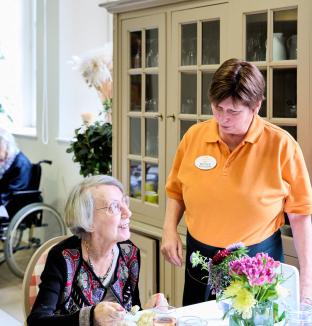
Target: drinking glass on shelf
x=151, y=105
x=190, y=58
x=149, y=58
x=152, y=58
x=188, y=106
x=165, y=316
x=155, y=60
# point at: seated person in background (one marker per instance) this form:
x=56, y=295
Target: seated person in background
x=15, y=169
x=92, y=277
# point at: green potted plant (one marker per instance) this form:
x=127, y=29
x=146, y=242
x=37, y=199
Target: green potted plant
x=92, y=147
x=92, y=143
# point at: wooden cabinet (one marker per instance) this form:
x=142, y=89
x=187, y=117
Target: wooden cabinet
x=142, y=114
x=274, y=37
x=148, y=272
x=175, y=283
x=165, y=53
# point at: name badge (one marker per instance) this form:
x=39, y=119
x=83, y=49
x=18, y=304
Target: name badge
x=205, y=162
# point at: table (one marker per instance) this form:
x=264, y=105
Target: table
x=209, y=310
x=8, y=320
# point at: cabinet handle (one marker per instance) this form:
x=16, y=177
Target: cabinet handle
x=158, y=115
x=171, y=116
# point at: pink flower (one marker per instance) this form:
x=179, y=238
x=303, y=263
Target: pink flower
x=259, y=270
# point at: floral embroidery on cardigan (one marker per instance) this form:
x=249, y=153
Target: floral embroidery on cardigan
x=88, y=290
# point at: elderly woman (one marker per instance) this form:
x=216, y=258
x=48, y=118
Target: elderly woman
x=15, y=168
x=92, y=277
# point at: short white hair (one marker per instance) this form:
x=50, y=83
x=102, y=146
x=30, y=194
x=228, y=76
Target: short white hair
x=79, y=206
x=7, y=140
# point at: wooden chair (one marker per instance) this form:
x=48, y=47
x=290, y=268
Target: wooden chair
x=33, y=271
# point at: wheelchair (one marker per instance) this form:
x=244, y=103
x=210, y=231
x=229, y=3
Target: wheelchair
x=31, y=223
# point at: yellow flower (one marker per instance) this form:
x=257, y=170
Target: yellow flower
x=233, y=289
x=243, y=302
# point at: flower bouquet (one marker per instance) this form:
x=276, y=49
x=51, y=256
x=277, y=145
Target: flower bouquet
x=251, y=284
x=92, y=143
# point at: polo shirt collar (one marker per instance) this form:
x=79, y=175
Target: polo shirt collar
x=213, y=135
x=254, y=132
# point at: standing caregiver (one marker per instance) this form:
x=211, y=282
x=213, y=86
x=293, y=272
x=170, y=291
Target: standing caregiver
x=233, y=177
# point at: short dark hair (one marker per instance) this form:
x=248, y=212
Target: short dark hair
x=238, y=79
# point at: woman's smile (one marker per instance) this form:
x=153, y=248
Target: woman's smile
x=124, y=226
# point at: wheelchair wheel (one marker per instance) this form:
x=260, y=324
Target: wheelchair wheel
x=3, y=233
x=30, y=227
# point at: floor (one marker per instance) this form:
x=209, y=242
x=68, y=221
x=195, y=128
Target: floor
x=11, y=293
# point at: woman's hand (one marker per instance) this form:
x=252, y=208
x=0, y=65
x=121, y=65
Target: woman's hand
x=156, y=300
x=108, y=313
x=171, y=247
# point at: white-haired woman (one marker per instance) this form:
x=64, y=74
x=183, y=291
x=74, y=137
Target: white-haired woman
x=15, y=168
x=92, y=277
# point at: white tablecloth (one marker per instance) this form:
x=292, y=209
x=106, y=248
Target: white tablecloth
x=210, y=311
x=8, y=320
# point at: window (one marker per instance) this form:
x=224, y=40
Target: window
x=17, y=62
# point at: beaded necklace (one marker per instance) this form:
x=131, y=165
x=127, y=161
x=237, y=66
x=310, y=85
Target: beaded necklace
x=100, y=277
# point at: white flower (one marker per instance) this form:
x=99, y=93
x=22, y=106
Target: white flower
x=195, y=258
x=87, y=117
x=95, y=71
x=96, y=68
x=282, y=292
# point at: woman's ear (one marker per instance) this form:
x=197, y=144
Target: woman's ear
x=257, y=107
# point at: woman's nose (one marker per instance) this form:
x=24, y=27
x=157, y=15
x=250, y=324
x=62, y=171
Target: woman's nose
x=126, y=212
x=223, y=116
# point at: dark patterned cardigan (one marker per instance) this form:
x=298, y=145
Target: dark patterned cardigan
x=70, y=290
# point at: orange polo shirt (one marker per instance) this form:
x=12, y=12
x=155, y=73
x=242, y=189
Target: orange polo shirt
x=244, y=196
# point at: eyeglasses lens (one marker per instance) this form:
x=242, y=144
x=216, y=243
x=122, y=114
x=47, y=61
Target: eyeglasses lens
x=115, y=208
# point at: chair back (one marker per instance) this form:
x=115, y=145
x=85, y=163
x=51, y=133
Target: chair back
x=291, y=274
x=33, y=272
x=35, y=177
x=34, y=183
x=30, y=195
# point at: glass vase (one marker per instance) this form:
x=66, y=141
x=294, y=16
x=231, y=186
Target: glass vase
x=262, y=315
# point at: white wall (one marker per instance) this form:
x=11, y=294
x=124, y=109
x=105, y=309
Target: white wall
x=83, y=26
x=73, y=27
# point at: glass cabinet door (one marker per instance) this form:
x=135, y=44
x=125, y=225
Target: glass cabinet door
x=271, y=43
x=199, y=37
x=143, y=112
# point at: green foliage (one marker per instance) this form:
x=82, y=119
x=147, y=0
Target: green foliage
x=92, y=148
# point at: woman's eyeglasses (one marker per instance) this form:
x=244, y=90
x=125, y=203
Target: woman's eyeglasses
x=116, y=207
